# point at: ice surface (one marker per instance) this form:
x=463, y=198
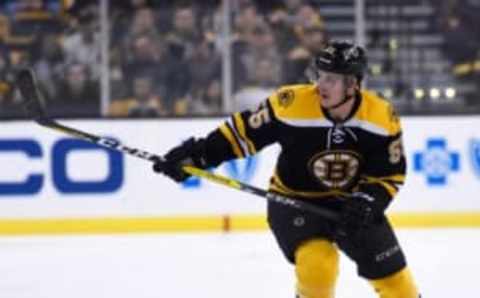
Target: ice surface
x=237, y=265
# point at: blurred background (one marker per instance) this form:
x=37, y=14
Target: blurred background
x=160, y=58
x=152, y=73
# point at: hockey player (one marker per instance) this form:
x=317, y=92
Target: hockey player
x=341, y=148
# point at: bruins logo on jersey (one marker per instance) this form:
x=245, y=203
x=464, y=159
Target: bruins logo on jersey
x=286, y=97
x=335, y=170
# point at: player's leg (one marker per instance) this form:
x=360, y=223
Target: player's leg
x=380, y=259
x=305, y=240
x=397, y=285
x=316, y=268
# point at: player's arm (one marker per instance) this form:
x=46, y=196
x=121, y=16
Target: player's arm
x=249, y=131
x=243, y=134
x=383, y=175
x=384, y=172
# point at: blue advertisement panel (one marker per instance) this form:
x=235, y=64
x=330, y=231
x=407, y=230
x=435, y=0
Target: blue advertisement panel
x=48, y=174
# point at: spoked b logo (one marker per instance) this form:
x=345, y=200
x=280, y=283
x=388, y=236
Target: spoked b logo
x=336, y=169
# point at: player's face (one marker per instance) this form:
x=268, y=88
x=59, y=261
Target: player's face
x=332, y=87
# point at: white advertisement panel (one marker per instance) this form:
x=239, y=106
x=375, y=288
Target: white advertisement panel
x=47, y=174
x=444, y=164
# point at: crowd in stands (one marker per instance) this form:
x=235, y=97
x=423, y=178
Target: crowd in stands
x=458, y=21
x=164, y=59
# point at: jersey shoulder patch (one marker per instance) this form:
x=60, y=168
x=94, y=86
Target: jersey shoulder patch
x=377, y=114
x=296, y=102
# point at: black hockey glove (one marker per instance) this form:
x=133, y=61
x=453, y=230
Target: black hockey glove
x=358, y=212
x=189, y=153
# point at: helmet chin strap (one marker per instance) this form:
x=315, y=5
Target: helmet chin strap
x=345, y=99
x=342, y=102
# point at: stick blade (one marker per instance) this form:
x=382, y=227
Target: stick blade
x=33, y=101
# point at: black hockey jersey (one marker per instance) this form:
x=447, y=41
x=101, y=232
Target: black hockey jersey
x=319, y=158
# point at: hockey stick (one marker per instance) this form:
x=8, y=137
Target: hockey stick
x=34, y=107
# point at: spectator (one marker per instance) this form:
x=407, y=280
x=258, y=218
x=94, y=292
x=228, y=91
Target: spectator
x=162, y=65
x=78, y=95
x=30, y=18
x=4, y=28
x=147, y=104
x=212, y=24
x=460, y=27
x=210, y=100
x=118, y=88
x=144, y=103
x=457, y=31
x=145, y=58
x=144, y=23
x=312, y=40
x=261, y=46
x=49, y=64
x=307, y=16
x=246, y=20
x=284, y=20
x=137, y=4
x=292, y=6
x=205, y=65
x=259, y=88
x=185, y=35
x=83, y=46
x=8, y=107
x=244, y=24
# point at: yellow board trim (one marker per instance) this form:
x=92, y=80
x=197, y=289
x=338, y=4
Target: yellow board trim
x=436, y=219
x=110, y=225
x=207, y=223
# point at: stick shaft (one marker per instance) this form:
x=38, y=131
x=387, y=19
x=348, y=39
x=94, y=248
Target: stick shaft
x=215, y=178
x=101, y=141
x=34, y=107
x=270, y=196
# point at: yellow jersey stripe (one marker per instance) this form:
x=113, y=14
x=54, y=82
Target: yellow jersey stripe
x=277, y=185
x=391, y=189
x=368, y=126
x=227, y=133
x=398, y=178
x=394, y=178
x=243, y=133
x=233, y=129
